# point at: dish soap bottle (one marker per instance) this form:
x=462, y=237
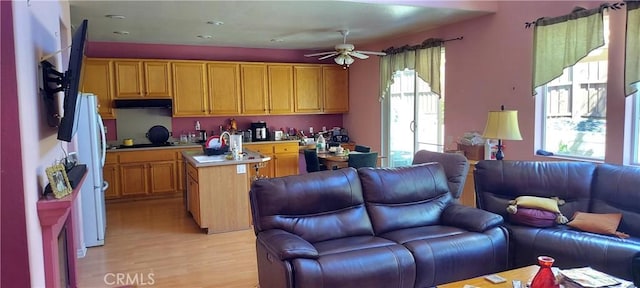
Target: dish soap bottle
x=320, y=145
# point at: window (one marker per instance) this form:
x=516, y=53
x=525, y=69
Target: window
x=573, y=109
x=635, y=130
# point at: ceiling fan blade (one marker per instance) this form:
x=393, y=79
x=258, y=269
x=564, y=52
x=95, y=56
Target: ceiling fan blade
x=328, y=56
x=357, y=54
x=319, y=54
x=372, y=53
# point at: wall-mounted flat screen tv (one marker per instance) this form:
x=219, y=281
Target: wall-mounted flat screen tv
x=69, y=82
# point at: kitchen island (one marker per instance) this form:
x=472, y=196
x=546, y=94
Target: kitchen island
x=218, y=190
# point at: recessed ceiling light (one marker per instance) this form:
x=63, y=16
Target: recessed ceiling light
x=205, y=36
x=277, y=40
x=121, y=32
x=115, y=16
x=217, y=23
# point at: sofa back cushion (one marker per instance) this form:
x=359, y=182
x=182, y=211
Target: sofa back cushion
x=405, y=197
x=498, y=182
x=455, y=166
x=616, y=189
x=315, y=206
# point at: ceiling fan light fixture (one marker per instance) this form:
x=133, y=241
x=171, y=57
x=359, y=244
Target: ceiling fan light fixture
x=340, y=60
x=348, y=60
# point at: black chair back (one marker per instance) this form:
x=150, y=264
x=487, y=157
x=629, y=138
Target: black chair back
x=357, y=160
x=311, y=158
x=362, y=148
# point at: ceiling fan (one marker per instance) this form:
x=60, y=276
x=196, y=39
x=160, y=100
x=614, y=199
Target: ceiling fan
x=345, y=52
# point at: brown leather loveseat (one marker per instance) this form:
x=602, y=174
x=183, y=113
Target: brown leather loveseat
x=585, y=187
x=394, y=227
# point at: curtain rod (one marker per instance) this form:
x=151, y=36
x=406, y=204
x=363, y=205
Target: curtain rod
x=431, y=42
x=576, y=13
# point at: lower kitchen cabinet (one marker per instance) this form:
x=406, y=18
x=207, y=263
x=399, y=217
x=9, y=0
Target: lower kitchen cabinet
x=284, y=158
x=194, y=197
x=163, y=177
x=111, y=174
x=144, y=174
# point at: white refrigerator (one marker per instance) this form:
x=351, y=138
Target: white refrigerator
x=91, y=149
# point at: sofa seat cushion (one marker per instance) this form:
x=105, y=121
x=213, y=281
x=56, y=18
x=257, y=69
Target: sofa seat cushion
x=346, y=244
x=445, y=254
x=403, y=236
x=571, y=248
x=373, y=267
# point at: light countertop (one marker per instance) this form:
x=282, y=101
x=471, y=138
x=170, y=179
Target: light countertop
x=199, y=159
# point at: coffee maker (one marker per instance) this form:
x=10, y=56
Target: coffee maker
x=260, y=131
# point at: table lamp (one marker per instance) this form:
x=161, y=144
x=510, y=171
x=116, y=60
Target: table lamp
x=502, y=125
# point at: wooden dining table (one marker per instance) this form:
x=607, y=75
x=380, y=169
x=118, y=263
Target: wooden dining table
x=331, y=160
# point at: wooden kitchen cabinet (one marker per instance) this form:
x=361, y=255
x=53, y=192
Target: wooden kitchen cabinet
x=134, y=179
x=335, y=84
x=253, y=79
x=268, y=169
x=111, y=174
x=194, y=199
x=180, y=168
x=98, y=79
x=280, y=86
x=144, y=173
x=284, y=158
x=142, y=79
x=163, y=177
x=224, y=88
x=307, y=88
x=189, y=88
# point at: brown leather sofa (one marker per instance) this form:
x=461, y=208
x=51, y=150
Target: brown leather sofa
x=585, y=187
x=394, y=227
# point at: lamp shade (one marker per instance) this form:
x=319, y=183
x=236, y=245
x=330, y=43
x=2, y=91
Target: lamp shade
x=502, y=125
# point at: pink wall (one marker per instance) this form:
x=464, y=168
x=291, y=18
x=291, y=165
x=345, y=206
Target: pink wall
x=135, y=50
x=490, y=67
x=14, y=251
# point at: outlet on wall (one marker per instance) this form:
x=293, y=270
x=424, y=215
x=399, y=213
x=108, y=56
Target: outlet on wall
x=105, y=130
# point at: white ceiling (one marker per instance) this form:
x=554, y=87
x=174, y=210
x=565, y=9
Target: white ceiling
x=312, y=25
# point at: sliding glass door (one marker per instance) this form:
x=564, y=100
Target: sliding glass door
x=412, y=118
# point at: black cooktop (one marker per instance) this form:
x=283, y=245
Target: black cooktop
x=147, y=145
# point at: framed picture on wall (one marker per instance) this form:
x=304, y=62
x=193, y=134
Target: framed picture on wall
x=59, y=181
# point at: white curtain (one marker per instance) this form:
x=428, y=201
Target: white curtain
x=425, y=61
x=562, y=41
x=632, y=58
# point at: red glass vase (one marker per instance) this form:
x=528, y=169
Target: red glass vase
x=544, y=278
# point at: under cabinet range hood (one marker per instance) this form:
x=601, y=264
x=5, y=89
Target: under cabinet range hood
x=143, y=103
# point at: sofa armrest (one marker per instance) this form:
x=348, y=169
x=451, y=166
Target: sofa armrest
x=469, y=218
x=285, y=245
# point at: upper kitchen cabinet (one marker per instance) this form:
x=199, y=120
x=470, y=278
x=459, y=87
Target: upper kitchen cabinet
x=142, y=79
x=307, y=88
x=280, y=89
x=335, y=80
x=253, y=79
x=189, y=88
x=224, y=88
x=97, y=79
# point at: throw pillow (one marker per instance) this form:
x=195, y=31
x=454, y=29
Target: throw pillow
x=606, y=224
x=533, y=217
x=534, y=202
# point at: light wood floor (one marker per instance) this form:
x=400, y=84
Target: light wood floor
x=160, y=237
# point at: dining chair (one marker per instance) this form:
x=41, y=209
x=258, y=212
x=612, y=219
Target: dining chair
x=357, y=160
x=313, y=163
x=362, y=148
